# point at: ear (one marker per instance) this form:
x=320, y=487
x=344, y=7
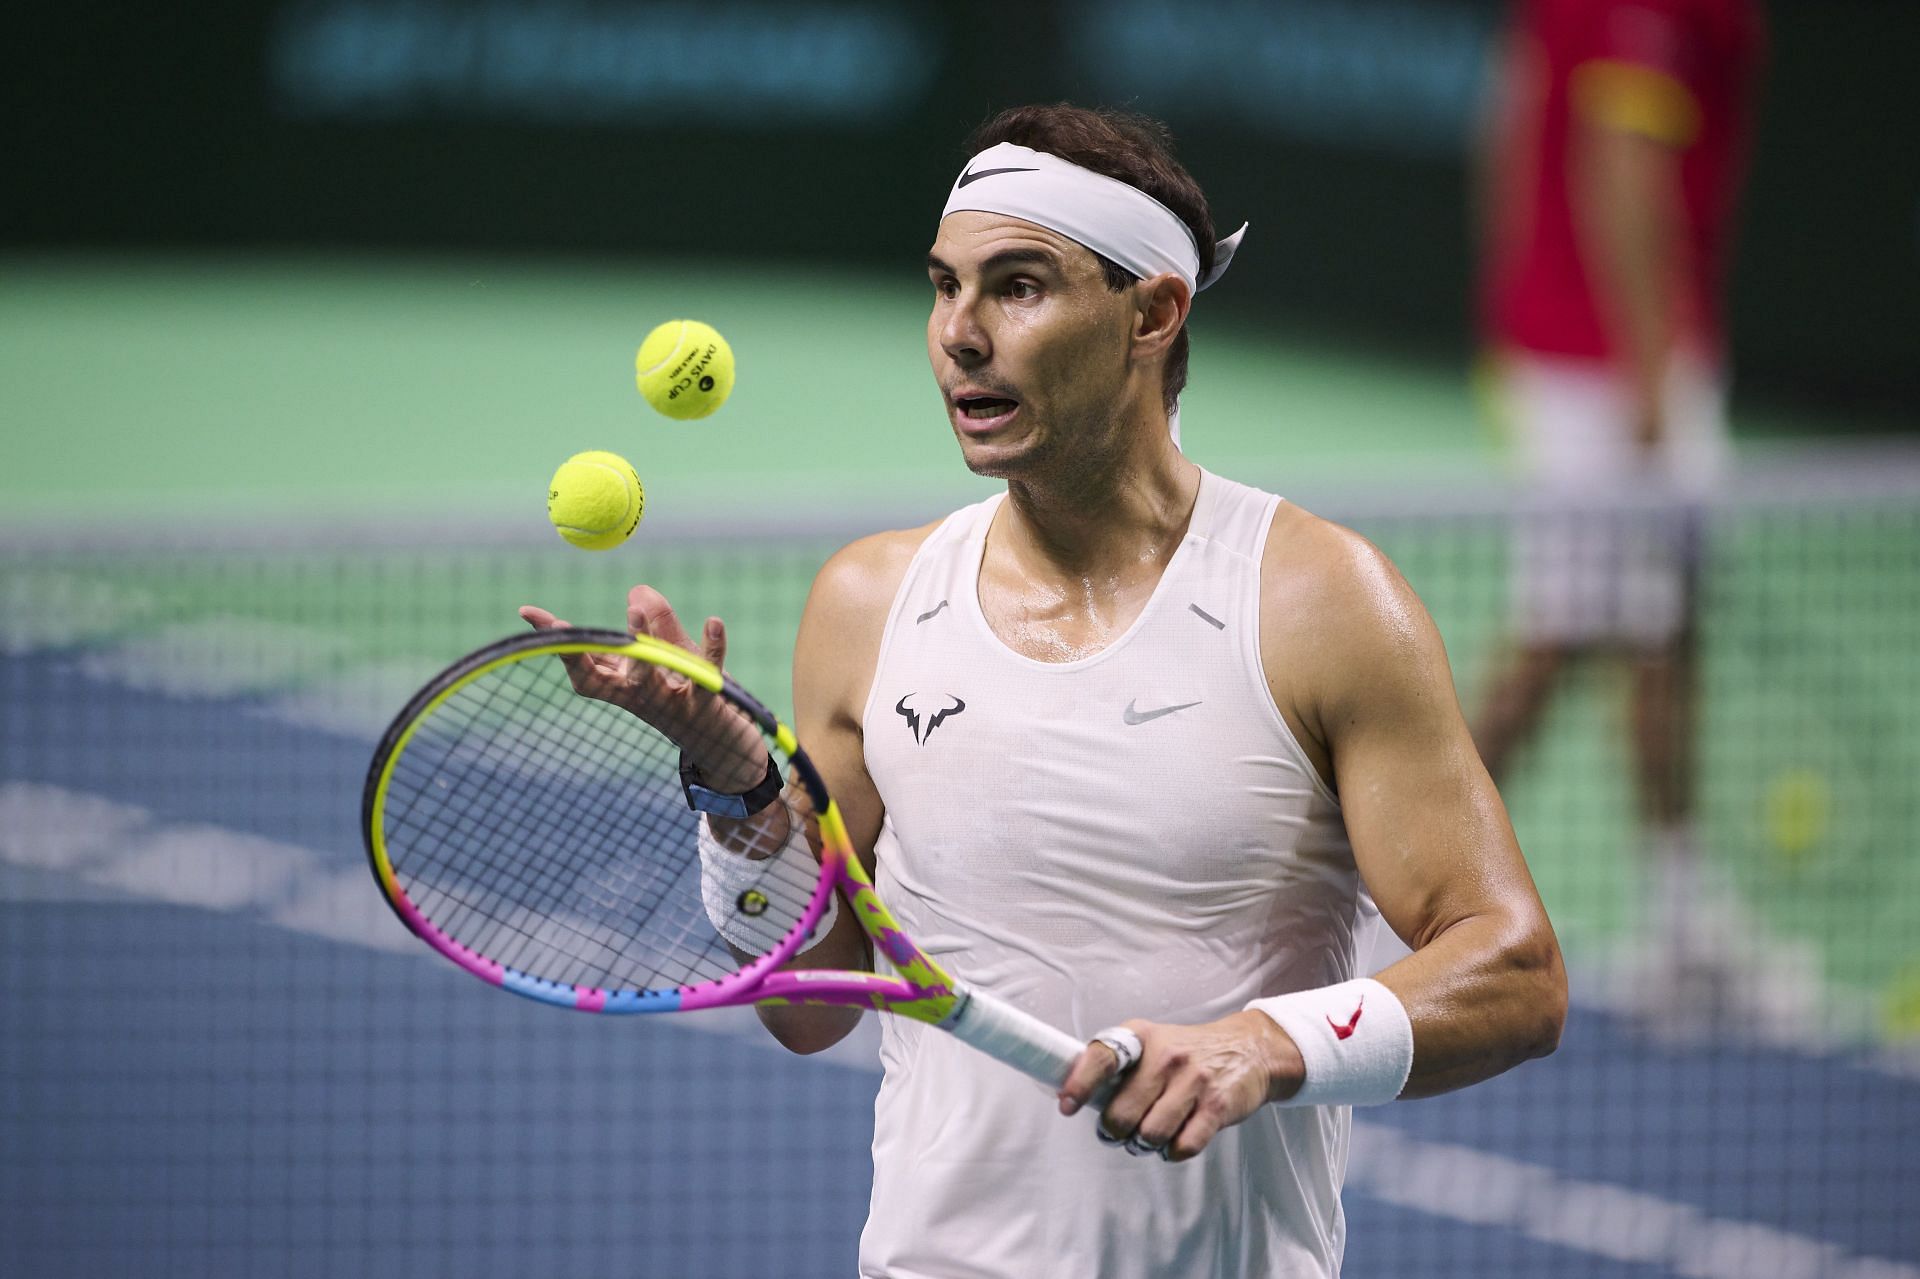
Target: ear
x=1161, y=304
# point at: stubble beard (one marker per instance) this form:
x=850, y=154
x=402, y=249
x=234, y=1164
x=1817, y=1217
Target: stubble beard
x=1071, y=457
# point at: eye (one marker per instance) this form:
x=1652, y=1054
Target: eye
x=947, y=287
x=1022, y=289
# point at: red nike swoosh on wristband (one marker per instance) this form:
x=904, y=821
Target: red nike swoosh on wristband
x=1346, y=1031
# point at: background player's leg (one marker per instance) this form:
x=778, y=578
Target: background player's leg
x=1561, y=420
x=1702, y=938
x=1663, y=708
x=1662, y=714
x=1511, y=713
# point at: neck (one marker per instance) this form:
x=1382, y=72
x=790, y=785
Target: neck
x=1129, y=508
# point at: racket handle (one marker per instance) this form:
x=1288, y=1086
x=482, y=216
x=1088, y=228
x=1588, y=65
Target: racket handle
x=1019, y=1039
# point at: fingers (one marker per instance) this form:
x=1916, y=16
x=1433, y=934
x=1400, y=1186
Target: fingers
x=583, y=672
x=1164, y=1120
x=1189, y=1083
x=1135, y=1097
x=1094, y=1066
x=636, y=684
x=648, y=613
x=1202, y=1126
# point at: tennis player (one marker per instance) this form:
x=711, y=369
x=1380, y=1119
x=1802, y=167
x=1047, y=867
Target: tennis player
x=1147, y=752
x=1615, y=159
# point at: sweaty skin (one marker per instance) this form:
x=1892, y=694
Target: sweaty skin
x=1098, y=497
x=1066, y=378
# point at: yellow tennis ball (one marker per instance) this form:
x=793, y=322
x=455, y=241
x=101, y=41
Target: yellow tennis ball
x=1900, y=1007
x=685, y=369
x=1798, y=805
x=595, y=500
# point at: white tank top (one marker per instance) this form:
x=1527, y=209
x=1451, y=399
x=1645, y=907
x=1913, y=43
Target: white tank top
x=1132, y=834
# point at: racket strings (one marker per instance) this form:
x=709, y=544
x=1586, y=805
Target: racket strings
x=475, y=809
x=549, y=832
x=548, y=932
x=473, y=837
x=544, y=878
x=543, y=930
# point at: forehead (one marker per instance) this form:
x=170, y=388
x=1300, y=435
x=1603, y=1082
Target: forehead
x=967, y=237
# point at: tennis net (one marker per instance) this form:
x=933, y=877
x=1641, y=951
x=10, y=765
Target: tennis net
x=219, y=1055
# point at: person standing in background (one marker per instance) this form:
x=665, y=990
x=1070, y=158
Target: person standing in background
x=1613, y=168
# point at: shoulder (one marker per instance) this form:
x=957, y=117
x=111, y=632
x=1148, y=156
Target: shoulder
x=1336, y=612
x=1325, y=568
x=861, y=578
x=845, y=619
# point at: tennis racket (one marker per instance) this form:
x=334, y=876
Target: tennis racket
x=542, y=840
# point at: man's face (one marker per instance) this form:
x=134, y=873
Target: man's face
x=1027, y=342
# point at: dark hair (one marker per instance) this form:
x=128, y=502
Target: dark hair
x=1132, y=148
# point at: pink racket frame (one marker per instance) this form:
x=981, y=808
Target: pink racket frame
x=921, y=989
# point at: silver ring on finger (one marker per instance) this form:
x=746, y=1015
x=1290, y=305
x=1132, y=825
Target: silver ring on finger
x=1138, y=1145
x=1125, y=1045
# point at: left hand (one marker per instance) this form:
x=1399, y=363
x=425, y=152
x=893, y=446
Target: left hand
x=1190, y=1082
x=719, y=739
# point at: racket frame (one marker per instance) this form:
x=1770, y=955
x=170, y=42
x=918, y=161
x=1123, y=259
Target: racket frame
x=920, y=988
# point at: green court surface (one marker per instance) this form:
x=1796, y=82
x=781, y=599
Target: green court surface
x=165, y=399
x=239, y=389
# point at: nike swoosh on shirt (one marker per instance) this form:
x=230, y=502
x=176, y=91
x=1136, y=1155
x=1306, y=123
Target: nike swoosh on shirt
x=977, y=174
x=1132, y=716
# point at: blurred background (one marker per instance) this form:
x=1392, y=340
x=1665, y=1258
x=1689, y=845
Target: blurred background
x=300, y=305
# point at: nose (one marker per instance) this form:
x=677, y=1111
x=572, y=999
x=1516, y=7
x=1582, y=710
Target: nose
x=961, y=335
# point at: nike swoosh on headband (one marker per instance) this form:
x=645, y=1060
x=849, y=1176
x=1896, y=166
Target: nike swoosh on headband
x=975, y=176
x=1113, y=218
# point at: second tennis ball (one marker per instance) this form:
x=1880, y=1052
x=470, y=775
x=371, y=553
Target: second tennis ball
x=685, y=369
x=595, y=500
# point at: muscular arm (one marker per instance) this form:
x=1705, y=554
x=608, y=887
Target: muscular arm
x=833, y=664
x=1484, y=986
x=1357, y=668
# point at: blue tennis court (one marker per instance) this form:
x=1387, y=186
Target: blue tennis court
x=220, y=1054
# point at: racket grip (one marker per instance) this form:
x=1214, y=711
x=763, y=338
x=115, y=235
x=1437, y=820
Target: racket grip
x=1019, y=1039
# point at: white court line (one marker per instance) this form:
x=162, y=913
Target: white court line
x=358, y=702
x=42, y=610
x=1466, y=1185
x=306, y=673
x=216, y=656
x=68, y=845
x=104, y=844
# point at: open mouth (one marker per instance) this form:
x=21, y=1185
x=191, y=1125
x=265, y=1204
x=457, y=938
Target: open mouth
x=984, y=408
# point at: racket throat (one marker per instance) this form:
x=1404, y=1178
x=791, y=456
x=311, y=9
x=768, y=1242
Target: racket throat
x=1011, y=1035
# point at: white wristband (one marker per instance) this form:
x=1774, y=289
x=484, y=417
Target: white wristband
x=726, y=874
x=1356, y=1040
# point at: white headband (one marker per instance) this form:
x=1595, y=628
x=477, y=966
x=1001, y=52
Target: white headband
x=1115, y=220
